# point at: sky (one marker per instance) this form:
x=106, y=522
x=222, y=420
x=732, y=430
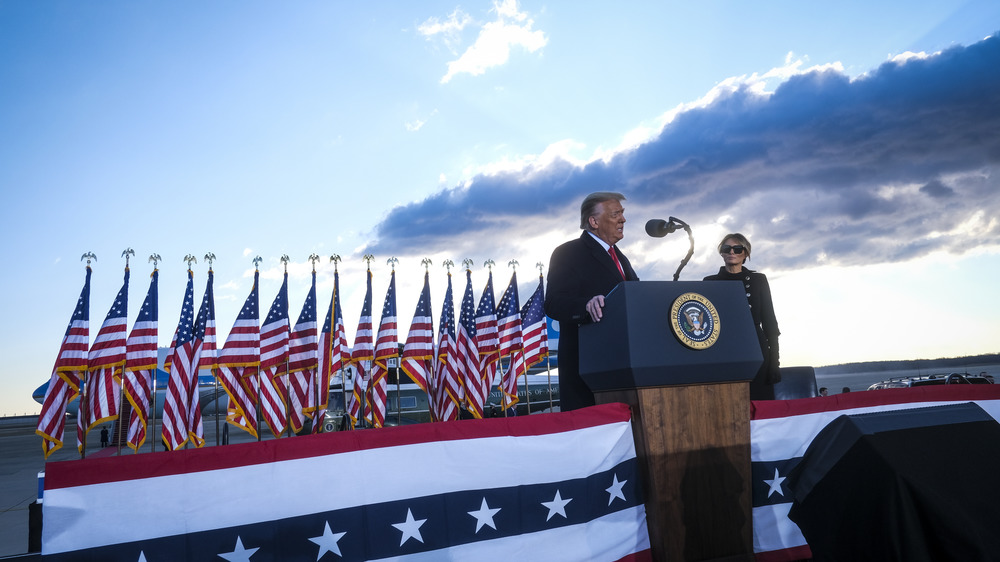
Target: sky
x=855, y=143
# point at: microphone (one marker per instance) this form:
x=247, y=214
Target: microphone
x=658, y=228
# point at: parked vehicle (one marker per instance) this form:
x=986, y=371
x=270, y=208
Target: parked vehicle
x=930, y=380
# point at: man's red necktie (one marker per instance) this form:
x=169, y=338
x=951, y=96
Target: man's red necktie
x=614, y=258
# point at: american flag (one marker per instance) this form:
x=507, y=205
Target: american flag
x=446, y=392
x=64, y=383
x=239, y=359
x=418, y=353
x=334, y=353
x=387, y=344
x=105, y=361
x=273, y=356
x=361, y=357
x=302, y=362
x=209, y=354
x=466, y=354
x=509, y=316
x=181, y=408
x=536, y=341
x=386, y=347
x=140, y=365
x=487, y=338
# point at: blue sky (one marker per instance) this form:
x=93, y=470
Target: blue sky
x=855, y=144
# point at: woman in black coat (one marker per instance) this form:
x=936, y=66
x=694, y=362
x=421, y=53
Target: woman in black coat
x=735, y=250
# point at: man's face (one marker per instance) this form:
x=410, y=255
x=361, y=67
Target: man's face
x=608, y=222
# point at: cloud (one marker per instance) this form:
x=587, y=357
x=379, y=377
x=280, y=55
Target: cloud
x=512, y=28
x=448, y=31
x=937, y=189
x=417, y=124
x=823, y=169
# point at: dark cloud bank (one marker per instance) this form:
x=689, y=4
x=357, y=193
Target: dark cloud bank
x=859, y=171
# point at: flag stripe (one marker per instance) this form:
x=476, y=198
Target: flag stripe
x=418, y=352
x=302, y=363
x=70, y=366
x=107, y=355
x=509, y=319
x=238, y=361
x=361, y=356
x=181, y=404
x=333, y=348
x=386, y=347
x=536, y=342
x=465, y=358
x=447, y=387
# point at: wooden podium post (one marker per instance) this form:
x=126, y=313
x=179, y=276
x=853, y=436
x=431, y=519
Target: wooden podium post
x=690, y=411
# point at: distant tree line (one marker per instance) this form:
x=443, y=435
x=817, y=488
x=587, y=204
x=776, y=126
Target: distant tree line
x=956, y=363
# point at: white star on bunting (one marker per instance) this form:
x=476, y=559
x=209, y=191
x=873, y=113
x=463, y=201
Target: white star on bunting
x=775, y=484
x=484, y=516
x=410, y=528
x=556, y=506
x=239, y=554
x=328, y=541
x=615, y=491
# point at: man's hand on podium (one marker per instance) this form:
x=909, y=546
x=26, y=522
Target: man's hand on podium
x=595, y=307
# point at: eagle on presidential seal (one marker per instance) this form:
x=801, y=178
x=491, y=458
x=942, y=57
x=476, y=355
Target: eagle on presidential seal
x=694, y=321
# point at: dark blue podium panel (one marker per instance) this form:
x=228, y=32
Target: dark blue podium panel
x=664, y=333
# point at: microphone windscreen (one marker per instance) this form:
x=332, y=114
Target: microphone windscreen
x=657, y=228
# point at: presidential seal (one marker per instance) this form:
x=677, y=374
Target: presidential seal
x=695, y=321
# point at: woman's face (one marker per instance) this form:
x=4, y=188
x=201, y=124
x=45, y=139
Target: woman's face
x=729, y=249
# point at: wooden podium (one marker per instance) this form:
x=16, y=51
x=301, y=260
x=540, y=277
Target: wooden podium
x=690, y=399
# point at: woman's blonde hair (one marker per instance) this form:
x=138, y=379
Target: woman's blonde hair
x=740, y=238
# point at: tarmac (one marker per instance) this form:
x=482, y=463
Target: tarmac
x=21, y=460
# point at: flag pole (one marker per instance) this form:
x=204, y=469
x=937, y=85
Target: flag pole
x=503, y=394
x=314, y=257
x=260, y=430
x=429, y=372
x=399, y=393
x=432, y=384
x=121, y=379
x=548, y=370
x=510, y=365
x=363, y=400
x=210, y=257
x=335, y=258
x=284, y=399
x=399, y=406
x=467, y=263
x=488, y=263
x=190, y=259
x=527, y=390
x=427, y=263
x=287, y=400
x=548, y=356
x=82, y=408
x=151, y=422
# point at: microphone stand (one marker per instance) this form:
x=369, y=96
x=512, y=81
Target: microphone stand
x=690, y=253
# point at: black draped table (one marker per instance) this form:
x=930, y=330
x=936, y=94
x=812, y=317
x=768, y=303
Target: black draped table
x=910, y=485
